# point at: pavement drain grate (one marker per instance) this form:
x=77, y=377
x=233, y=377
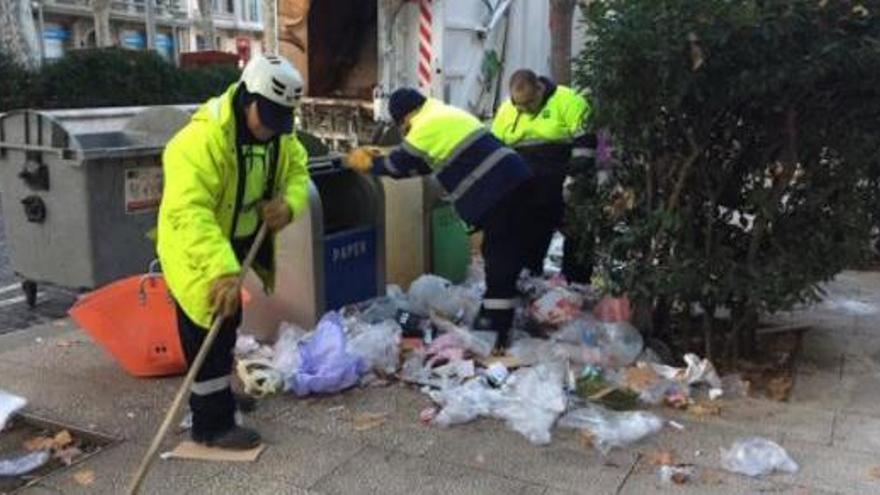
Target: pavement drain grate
x=27, y=427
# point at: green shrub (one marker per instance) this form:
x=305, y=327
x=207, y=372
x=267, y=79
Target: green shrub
x=745, y=135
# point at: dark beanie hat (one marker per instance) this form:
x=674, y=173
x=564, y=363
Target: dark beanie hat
x=402, y=102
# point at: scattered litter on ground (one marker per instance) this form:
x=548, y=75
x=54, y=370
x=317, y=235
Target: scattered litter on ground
x=86, y=477
x=59, y=441
x=23, y=464
x=675, y=424
x=259, y=377
x=67, y=455
x=661, y=458
x=325, y=365
x=68, y=343
x=703, y=409
x=678, y=474
x=698, y=371
x=757, y=456
x=368, y=421
x=9, y=405
x=612, y=429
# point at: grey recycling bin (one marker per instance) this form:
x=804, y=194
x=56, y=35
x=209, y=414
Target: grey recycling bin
x=333, y=255
x=80, y=190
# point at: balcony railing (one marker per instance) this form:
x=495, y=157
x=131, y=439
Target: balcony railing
x=164, y=9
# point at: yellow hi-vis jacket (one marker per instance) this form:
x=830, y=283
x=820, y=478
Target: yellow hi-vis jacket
x=199, y=198
x=552, y=136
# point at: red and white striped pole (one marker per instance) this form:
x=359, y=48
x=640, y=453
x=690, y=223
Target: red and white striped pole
x=426, y=52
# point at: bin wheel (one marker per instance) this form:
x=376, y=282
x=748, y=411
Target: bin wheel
x=30, y=292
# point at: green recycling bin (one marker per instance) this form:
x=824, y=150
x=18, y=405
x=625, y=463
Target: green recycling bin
x=450, y=244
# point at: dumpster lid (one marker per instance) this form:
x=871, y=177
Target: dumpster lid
x=81, y=134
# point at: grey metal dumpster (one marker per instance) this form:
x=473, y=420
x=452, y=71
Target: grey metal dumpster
x=331, y=256
x=80, y=190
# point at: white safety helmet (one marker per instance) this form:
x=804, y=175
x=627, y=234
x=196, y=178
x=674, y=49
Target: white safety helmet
x=259, y=378
x=274, y=78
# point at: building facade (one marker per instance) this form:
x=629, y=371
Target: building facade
x=64, y=25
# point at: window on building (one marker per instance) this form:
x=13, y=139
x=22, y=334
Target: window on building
x=253, y=12
x=201, y=44
x=230, y=6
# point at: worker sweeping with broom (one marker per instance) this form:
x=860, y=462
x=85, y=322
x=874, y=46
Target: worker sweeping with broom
x=237, y=164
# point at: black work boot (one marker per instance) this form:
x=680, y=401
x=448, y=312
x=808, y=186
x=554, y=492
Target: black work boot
x=498, y=321
x=245, y=403
x=236, y=438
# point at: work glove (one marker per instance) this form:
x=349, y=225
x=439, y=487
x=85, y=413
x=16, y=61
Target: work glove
x=225, y=296
x=361, y=159
x=276, y=214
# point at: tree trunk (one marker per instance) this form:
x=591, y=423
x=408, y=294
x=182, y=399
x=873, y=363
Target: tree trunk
x=18, y=35
x=561, y=18
x=270, y=27
x=101, y=12
x=206, y=10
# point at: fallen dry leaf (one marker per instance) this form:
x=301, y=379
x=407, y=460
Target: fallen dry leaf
x=85, y=477
x=587, y=439
x=68, y=454
x=38, y=443
x=661, y=458
x=874, y=473
x=779, y=388
x=368, y=421
x=702, y=409
x=640, y=379
x=62, y=439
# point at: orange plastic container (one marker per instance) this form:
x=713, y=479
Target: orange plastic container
x=134, y=320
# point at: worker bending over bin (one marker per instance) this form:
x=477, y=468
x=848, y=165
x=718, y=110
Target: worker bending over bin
x=546, y=124
x=483, y=178
x=235, y=165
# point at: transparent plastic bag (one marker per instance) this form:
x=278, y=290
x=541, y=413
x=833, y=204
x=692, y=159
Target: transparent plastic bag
x=556, y=307
x=386, y=307
x=432, y=294
x=582, y=330
x=286, y=357
x=621, y=343
x=378, y=345
x=757, y=456
x=533, y=399
x=610, y=428
x=470, y=341
x=464, y=403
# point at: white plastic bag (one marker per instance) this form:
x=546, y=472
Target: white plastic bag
x=9, y=405
x=464, y=403
x=697, y=371
x=757, y=456
x=533, y=399
x=378, y=345
x=610, y=428
x=25, y=464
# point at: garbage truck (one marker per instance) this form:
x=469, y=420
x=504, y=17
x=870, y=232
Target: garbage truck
x=353, y=54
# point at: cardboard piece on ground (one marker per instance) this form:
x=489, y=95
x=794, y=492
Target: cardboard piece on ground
x=509, y=362
x=193, y=451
